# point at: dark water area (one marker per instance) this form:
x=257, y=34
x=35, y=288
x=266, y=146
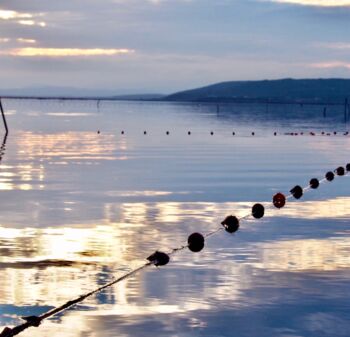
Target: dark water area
x=79, y=208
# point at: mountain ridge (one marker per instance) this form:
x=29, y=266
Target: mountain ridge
x=284, y=90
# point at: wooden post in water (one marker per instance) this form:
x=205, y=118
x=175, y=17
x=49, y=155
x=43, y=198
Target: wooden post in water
x=346, y=110
x=3, y=117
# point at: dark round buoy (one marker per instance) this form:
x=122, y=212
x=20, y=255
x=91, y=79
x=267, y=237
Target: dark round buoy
x=167, y=132
x=302, y=133
x=279, y=200
x=340, y=171
x=98, y=132
x=212, y=133
x=275, y=133
x=312, y=134
x=189, y=132
x=258, y=211
x=32, y=320
x=348, y=167
x=233, y=133
x=335, y=132
x=314, y=183
x=231, y=224
x=322, y=132
x=145, y=132
x=329, y=176
x=297, y=192
x=253, y=133
x=195, y=242
x=159, y=258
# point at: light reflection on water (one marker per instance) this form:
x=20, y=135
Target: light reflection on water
x=80, y=208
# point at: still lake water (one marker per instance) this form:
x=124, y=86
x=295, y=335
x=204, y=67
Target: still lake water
x=79, y=208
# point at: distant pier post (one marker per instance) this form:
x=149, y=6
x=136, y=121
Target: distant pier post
x=3, y=117
x=346, y=110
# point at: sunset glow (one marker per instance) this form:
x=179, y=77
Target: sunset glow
x=329, y=65
x=65, y=52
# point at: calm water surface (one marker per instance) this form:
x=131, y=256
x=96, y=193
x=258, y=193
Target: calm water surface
x=79, y=208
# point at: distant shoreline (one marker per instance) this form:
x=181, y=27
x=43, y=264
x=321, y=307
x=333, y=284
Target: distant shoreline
x=212, y=101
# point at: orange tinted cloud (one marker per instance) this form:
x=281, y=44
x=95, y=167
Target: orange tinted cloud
x=65, y=52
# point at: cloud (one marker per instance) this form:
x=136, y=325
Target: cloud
x=334, y=45
x=27, y=41
x=64, y=52
x=11, y=15
x=317, y=3
x=22, y=18
x=331, y=65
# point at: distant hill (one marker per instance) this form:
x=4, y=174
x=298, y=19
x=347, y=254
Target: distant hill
x=284, y=90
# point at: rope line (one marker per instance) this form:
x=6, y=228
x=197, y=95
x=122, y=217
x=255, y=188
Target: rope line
x=252, y=134
x=195, y=244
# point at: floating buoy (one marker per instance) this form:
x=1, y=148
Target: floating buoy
x=322, y=132
x=297, y=192
x=195, y=242
x=340, y=171
x=32, y=320
x=231, y=224
x=159, y=258
x=233, y=133
x=189, y=132
x=312, y=133
x=275, y=133
x=167, y=132
x=279, y=200
x=98, y=132
x=314, y=183
x=258, y=211
x=253, y=133
x=145, y=132
x=335, y=132
x=301, y=133
x=211, y=132
x=348, y=167
x=330, y=176
x=346, y=133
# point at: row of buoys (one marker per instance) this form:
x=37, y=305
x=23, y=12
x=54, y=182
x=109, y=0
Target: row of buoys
x=275, y=133
x=195, y=241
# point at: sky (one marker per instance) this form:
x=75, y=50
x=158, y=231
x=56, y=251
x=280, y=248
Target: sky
x=162, y=46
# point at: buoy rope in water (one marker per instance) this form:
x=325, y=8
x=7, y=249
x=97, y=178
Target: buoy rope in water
x=195, y=243
x=334, y=133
